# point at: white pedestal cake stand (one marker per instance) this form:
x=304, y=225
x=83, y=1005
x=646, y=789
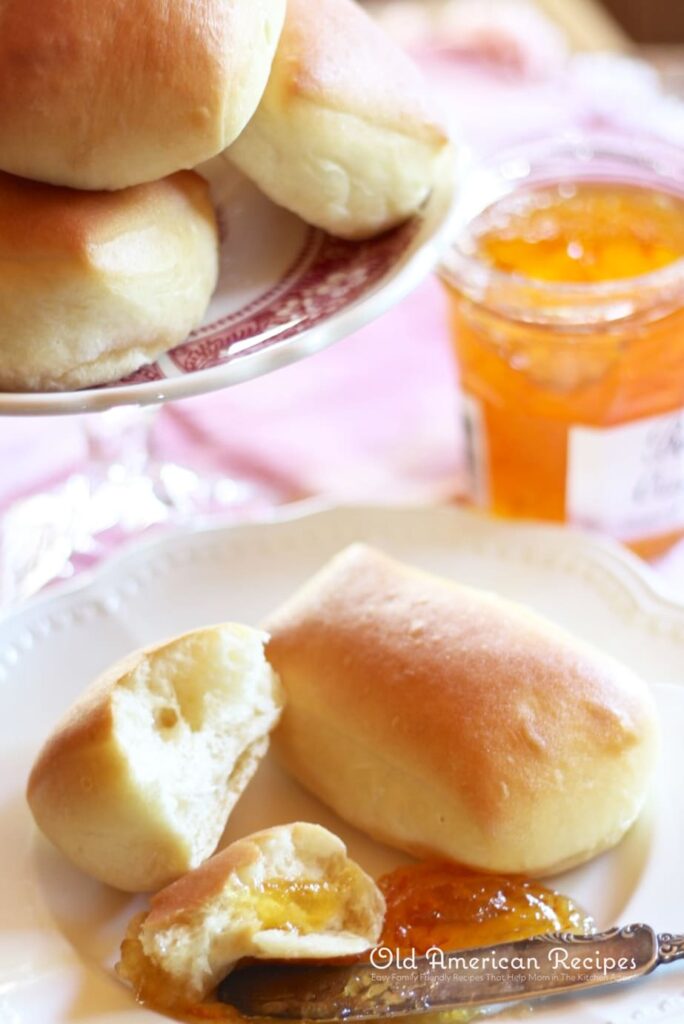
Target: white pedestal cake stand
x=285, y=292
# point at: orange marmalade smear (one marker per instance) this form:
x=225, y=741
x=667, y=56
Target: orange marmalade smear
x=582, y=233
x=155, y=989
x=440, y=904
x=428, y=904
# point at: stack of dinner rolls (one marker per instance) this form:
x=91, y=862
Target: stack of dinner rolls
x=108, y=238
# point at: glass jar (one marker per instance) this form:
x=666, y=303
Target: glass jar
x=566, y=287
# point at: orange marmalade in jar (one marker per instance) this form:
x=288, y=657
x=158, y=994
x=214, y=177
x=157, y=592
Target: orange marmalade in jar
x=566, y=286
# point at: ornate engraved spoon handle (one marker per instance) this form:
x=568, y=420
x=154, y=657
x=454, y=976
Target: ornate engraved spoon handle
x=670, y=948
x=390, y=985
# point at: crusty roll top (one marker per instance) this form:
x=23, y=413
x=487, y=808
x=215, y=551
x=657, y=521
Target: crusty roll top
x=39, y=221
x=531, y=749
x=109, y=94
x=333, y=55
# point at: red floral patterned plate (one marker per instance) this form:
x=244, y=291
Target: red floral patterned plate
x=285, y=291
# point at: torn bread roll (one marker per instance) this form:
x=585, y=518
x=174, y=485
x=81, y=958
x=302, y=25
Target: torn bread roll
x=287, y=893
x=136, y=784
x=110, y=94
x=449, y=722
x=96, y=284
x=345, y=135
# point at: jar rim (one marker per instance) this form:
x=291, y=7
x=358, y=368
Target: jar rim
x=577, y=156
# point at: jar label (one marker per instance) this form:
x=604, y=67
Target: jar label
x=628, y=480
x=475, y=443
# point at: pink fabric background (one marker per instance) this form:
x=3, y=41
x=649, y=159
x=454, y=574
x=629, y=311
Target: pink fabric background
x=375, y=417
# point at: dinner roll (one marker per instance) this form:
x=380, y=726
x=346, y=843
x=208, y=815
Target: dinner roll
x=344, y=135
x=136, y=783
x=109, y=94
x=95, y=284
x=451, y=723
x=288, y=893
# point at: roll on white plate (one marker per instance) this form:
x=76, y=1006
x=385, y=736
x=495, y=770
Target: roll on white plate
x=452, y=723
x=136, y=783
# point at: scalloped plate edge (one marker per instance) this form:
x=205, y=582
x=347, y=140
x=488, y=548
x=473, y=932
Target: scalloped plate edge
x=632, y=583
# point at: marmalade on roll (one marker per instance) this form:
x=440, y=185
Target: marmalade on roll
x=428, y=904
x=302, y=905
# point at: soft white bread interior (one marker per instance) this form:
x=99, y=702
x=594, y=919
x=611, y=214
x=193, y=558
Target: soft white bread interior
x=110, y=94
x=345, y=135
x=449, y=722
x=136, y=784
x=290, y=892
x=96, y=284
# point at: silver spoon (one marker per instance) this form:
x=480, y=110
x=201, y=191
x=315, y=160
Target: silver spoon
x=389, y=985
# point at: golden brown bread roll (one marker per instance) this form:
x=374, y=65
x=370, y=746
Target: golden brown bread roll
x=110, y=94
x=136, y=783
x=286, y=893
x=449, y=722
x=344, y=135
x=95, y=284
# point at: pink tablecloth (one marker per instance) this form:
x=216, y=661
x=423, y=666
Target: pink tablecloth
x=375, y=417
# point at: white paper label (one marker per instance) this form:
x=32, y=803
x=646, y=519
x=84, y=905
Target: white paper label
x=475, y=439
x=628, y=480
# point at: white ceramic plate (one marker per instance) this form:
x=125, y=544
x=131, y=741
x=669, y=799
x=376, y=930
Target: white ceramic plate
x=285, y=291
x=59, y=931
